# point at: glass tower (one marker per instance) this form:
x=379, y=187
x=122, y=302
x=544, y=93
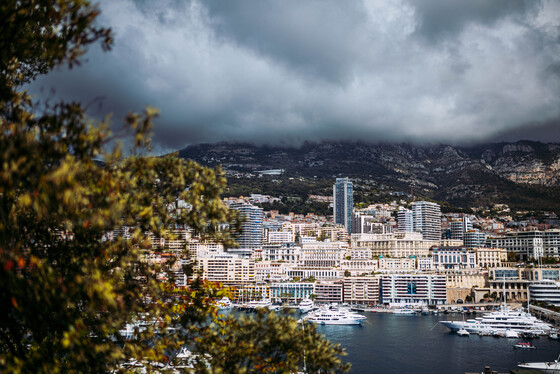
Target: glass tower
x=343, y=195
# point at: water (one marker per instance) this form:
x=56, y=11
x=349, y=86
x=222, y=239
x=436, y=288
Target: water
x=388, y=343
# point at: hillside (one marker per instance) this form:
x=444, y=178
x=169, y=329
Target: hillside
x=524, y=175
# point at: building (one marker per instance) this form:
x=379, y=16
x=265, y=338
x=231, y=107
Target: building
x=366, y=224
x=361, y=290
x=474, y=239
x=397, y=244
x=281, y=252
x=397, y=264
x=426, y=218
x=405, y=220
x=329, y=292
x=459, y=227
x=413, y=289
x=252, y=228
x=226, y=268
x=291, y=291
x=447, y=258
x=490, y=257
x=545, y=292
x=343, y=196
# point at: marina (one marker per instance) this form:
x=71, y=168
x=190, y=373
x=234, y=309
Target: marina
x=420, y=344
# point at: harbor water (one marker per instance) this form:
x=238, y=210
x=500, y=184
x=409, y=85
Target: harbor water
x=389, y=343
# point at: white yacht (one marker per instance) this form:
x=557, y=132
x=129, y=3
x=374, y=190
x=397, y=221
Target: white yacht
x=552, y=367
x=224, y=303
x=404, y=311
x=264, y=303
x=501, y=321
x=306, y=305
x=334, y=316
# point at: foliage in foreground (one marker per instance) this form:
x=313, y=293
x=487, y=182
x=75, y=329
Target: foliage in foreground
x=65, y=290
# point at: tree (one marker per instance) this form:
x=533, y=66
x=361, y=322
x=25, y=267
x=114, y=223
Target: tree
x=65, y=289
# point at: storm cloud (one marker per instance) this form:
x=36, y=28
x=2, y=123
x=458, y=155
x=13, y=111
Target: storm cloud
x=288, y=71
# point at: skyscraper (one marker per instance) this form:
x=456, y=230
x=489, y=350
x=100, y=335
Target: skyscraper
x=252, y=228
x=426, y=218
x=343, y=195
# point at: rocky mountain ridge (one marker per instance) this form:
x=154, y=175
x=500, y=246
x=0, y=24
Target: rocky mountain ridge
x=522, y=171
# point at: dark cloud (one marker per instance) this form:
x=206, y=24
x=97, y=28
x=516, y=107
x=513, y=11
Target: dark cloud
x=439, y=19
x=287, y=71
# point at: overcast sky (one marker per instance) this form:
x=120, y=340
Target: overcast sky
x=286, y=71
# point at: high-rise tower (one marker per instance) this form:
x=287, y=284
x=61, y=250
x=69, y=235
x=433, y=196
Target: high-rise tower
x=343, y=194
x=427, y=219
x=251, y=236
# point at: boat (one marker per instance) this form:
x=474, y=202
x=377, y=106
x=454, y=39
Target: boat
x=256, y=304
x=404, y=311
x=463, y=332
x=332, y=315
x=425, y=311
x=554, y=335
x=499, y=321
x=511, y=334
x=552, y=367
x=224, y=303
x=524, y=346
x=306, y=305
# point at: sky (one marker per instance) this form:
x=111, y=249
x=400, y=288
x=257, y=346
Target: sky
x=288, y=71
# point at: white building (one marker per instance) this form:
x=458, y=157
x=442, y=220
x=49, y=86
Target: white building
x=413, y=289
x=447, y=258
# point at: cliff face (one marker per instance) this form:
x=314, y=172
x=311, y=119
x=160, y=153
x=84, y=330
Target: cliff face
x=499, y=171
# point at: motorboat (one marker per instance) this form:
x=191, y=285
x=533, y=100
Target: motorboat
x=334, y=316
x=463, y=332
x=306, y=305
x=500, y=321
x=554, y=335
x=224, y=303
x=524, y=346
x=404, y=311
x=552, y=367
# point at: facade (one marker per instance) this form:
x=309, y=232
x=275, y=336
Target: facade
x=545, y=292
x=413, y=289
x=398, y=244
x=252, y=228
x=226, y=268
x=361, y=290
x=447, y=258
x=343, y=196
x=405, y=220
x=459, y=227
x=397, y=264
x=490, y=257
x=366, y=224
x=321, y=254
x=474, y=239
x=281, y=252
x=527, y=244
x=426, y=218
x=275, y=237
x=329, y=292
x=358, y=267
x=291, y=291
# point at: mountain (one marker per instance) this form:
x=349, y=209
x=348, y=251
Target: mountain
x=524, y=175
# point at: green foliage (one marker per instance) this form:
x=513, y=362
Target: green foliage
x=65, y=290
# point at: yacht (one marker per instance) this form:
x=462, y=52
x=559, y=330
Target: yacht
x=501, y=321
x=306, y=305
x=552, y=367
x=334, y=316
x=255, y=304
x=224, y=303
x=404, y=311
